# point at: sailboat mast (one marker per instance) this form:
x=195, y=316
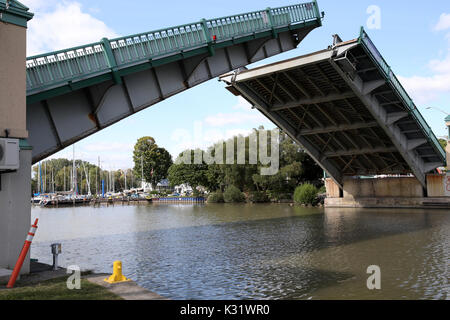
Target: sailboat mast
x=45, y=176
x=74, y=172
x=53, y=182
x=40, y=179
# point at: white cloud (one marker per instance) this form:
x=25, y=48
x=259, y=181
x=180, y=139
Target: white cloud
x=244, y=115
x=443, y=23
x=233, y=118
x=242, y=104
x=424, y=89
x=441, y=66
x=58, y=25
x=111, y=146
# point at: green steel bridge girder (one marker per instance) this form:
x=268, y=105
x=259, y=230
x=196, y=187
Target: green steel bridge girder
x=114, y=73
x=49, y=70
x=76, y=92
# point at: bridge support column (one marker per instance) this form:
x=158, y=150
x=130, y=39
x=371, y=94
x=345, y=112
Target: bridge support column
x=15, y=187
x=447, y=149
x=15, y=210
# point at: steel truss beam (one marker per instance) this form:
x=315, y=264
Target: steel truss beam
x=400, y=141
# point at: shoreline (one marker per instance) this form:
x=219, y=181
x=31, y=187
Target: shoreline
x=42, y=279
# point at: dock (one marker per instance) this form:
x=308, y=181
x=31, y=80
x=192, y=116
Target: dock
x=178, y=200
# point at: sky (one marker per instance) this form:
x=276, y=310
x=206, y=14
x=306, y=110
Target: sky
x=413, y=37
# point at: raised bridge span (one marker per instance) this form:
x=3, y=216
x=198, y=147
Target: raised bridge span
x=76, y=92
x=346, y=108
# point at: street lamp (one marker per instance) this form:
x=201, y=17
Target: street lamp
x=428, y=108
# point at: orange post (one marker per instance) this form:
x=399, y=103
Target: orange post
x=23, y=254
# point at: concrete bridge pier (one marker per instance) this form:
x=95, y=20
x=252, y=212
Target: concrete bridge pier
x=392, y=192
x=447, y=149
x=15, y=206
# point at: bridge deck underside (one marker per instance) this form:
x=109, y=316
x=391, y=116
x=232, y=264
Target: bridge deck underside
x=337, y=105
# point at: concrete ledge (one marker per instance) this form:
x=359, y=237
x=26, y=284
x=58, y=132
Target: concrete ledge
x=388, y=202
x=5, y=274
x=127, y=290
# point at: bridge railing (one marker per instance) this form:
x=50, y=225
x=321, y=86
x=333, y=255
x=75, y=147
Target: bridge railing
x=55, y=68
x=392, y=79
x=58, y=66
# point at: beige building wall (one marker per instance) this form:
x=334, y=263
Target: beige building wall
x=332, y=188
x=403, y=187
x=435, y=185
x=13, y=80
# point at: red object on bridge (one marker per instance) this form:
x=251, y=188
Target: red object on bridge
x=23, y=254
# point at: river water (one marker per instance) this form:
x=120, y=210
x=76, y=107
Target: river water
x=256, y=251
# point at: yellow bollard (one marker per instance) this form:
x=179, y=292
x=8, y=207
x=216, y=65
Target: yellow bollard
x=117, y=275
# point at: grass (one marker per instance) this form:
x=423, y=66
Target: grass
x=56, y=289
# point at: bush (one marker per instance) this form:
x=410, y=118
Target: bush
x=305, y=194
x=258, y=196
x=233, y=194
x=278, y=196
x=215, y=197
x=322, y=189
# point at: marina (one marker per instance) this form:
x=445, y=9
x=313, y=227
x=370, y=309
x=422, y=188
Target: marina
x=55, y=200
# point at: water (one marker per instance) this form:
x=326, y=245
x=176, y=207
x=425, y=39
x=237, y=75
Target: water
x=264, y=251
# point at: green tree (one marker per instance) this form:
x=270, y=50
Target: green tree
x=296, y=167
x=190, y=172
x=233, y=194
x=151, y=160
x=443, y=143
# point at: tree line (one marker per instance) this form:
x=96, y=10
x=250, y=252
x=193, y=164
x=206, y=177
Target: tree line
x=153, y=163
x=295, y=168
